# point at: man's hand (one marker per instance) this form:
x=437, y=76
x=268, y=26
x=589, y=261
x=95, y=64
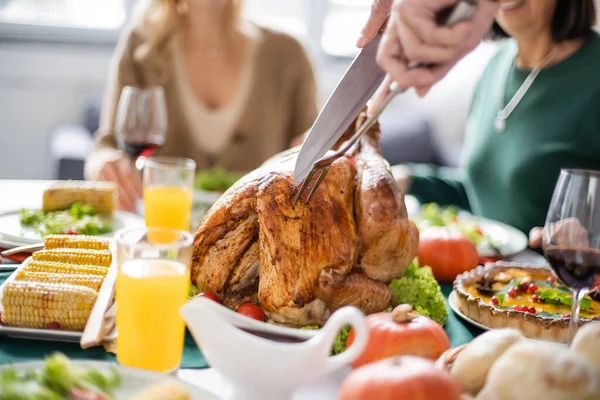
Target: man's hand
x=568, y=232
x=380, y=9
x=413, y=35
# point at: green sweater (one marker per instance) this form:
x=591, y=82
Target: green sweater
x=510, y=176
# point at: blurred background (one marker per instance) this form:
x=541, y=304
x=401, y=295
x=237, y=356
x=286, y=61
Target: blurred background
x=54, y=57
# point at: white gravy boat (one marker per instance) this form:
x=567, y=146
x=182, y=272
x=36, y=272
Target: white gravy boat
x=273, y=368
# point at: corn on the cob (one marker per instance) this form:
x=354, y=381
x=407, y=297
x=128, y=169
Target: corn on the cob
x=62, y=268
x=42, y=305
x=75, y=242
x=87, y=280
x=100, y=195
x=101, y=258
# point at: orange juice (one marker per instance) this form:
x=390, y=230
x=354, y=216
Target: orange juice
x=168, y=207
x=150, y=330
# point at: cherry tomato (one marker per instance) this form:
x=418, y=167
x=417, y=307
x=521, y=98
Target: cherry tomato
x=252, y=311
x=535, y=298
x=565, y=316
x=70, y=232
x=512, y=292
x=532, y=288
x=495, y=300
x=210, y=295
x=551, y=280
x=532, y=310
x=54, y=326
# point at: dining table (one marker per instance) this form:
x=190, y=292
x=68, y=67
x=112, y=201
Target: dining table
x=17, y=194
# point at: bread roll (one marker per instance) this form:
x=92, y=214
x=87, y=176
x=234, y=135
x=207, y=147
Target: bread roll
x=532, y=370
x=587, y=344
x=473, y=363
x=163, y=391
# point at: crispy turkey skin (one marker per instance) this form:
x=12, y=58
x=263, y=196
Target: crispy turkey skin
x=298, y=261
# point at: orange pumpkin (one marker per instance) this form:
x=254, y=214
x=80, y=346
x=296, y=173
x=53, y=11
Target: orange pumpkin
x=400, y=378
x=448, y=253
x=401, y=332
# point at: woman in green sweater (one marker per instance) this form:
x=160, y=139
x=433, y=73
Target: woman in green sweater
x=536, y=110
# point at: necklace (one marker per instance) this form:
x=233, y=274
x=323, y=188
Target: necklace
x=500, y=120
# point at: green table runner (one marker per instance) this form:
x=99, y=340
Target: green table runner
x=20, y=350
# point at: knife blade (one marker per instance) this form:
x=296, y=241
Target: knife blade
x=359, y=83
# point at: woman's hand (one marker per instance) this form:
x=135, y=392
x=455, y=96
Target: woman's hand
x=121, y=171
x=569, y=232
x=412, y=35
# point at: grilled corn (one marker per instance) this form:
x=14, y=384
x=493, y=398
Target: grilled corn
x=100, y=195
x=47, y=305
x=63, y=268
x=101, y=258
x=87, y=280
x=75, y=242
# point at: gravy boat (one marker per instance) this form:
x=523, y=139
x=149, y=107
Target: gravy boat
x=260, y=362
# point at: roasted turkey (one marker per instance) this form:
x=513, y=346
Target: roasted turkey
x=301, y=262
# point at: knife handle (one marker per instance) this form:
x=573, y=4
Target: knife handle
x=464, y=9
x=449, y=16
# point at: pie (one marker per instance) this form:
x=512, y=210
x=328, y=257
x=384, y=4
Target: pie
x=527, y=298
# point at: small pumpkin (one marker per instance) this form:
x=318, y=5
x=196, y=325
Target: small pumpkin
x=400, y=378
x=448, y=252
x=401, y=332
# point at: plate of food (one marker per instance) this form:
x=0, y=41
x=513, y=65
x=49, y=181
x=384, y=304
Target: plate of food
x=525, y=297
x=69, y=207
x=209, y=185
x=492, y=238
x=57, y=378
x=78, y=267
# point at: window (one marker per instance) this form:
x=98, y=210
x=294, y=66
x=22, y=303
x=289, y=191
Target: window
x=341, y=26
x=94, y=14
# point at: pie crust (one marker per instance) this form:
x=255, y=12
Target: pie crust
x=531, y=325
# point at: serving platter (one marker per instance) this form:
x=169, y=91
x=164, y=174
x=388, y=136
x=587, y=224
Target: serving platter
x=133, y=380
x=42, y=334
x=454, y=306
x=13, y=234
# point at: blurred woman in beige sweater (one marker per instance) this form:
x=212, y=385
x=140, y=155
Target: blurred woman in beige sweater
x=235, y=93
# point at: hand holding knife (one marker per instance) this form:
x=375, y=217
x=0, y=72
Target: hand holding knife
x=357, y=86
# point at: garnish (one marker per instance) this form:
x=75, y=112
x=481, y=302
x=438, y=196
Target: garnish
x=557, y=297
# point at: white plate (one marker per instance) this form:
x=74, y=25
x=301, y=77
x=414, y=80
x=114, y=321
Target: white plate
x=133, y=380
x=511, y=241
x=454, y=307
x=13, y=234
x=42, y=334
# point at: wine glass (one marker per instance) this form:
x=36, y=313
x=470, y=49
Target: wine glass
x=571, y=241
x=141, y=122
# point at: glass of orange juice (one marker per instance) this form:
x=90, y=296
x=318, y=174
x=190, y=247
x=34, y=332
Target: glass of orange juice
x=168, y=187
x=152, y=285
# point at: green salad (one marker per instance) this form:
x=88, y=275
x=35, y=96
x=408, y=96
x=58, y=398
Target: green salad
x=432, y=215
x=79, y=218
x=58, y=379
x=216, y=179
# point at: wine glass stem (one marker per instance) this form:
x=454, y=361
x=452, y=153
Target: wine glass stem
x=575, y=307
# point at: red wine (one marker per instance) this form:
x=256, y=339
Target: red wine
x=577, y=268
x=135, y=149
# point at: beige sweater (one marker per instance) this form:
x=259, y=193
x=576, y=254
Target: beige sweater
x=280, y=106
